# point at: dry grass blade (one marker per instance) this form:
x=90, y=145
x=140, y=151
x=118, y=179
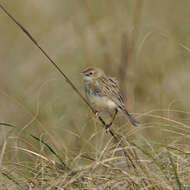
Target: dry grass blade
x=54, y=64
x=44, y=52
x=2, y=153
x=169, y=147
x=34, y=153
x=149, y=155
x=7, y=124
x=128, y=47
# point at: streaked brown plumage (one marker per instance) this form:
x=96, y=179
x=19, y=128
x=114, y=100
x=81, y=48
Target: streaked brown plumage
x=103, y=92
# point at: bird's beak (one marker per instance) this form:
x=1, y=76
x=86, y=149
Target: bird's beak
x=81, y=74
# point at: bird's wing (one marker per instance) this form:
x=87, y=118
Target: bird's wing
x=110, y=88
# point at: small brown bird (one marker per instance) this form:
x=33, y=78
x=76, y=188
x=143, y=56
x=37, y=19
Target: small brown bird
x=103, y=93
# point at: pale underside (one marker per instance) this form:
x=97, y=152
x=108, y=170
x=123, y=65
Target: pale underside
x=104, y=94
x=102, y=104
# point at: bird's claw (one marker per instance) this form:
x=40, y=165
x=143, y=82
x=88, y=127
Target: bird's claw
x=107, y=129
x=97, y=113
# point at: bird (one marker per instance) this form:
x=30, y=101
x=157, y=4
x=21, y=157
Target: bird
x=103, y=94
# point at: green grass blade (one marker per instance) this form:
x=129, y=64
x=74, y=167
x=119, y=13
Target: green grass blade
x=12, y=179
x=180, y=185
x=41, y=141
x=51, y=149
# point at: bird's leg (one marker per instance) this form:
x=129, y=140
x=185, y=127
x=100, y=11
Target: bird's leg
x=97, y=114
x=113, y=118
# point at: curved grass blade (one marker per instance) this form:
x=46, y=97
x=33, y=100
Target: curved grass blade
x=8, y=125
x=41, y=141
x=50, y=149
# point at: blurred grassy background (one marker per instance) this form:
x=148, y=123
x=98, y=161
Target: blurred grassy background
x=78, y=34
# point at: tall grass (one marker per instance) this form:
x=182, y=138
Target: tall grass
x=113, y=165
x=49, y=139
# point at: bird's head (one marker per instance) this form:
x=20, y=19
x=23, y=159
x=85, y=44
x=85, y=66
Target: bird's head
x=91, y=74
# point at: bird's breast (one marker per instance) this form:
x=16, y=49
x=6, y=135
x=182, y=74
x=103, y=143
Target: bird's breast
x=102, y=103
x=97, y=99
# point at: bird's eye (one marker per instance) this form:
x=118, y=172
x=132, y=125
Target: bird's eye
x=90, y=73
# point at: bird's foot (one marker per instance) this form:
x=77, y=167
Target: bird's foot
x=97, y=114
x=108, y=127
x=107, y=130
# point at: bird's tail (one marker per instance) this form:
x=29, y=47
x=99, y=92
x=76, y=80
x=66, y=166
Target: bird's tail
x=131, y=118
